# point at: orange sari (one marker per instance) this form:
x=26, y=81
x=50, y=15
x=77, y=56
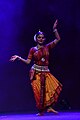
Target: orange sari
x=45, y=86
x=51, y=90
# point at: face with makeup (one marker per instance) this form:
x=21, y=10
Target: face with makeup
x=40, y=39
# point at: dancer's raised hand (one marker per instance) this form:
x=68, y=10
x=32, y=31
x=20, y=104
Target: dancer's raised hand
x=55, y=24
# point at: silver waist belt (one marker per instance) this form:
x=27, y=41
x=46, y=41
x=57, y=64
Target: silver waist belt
x=40, y=68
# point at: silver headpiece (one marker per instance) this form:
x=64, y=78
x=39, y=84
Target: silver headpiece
x=36, y=35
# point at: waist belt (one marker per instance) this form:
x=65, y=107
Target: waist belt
x=40, y=68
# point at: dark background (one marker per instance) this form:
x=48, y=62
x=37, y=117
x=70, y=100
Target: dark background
x=19, y=21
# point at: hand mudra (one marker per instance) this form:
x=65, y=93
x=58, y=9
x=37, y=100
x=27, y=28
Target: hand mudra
x=14, y=57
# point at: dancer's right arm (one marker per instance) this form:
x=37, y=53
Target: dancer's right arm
x=14, y=57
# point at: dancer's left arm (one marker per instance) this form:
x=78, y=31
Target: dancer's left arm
x=57, y=36
x=57, y=39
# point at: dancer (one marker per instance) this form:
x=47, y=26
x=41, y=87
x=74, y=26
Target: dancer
x=46, y=87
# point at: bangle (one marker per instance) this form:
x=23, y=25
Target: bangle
x=55, y=30
x=19, y=58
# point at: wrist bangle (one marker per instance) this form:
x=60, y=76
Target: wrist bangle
x=19, y=58
x=55, y=30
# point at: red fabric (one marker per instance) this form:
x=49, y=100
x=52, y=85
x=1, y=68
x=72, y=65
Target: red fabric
x=43, y=52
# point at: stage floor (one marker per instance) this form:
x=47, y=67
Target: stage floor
x=47, y=116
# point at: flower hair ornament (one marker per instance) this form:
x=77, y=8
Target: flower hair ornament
x=35, y=36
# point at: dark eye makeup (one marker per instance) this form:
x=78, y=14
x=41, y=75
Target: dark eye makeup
x=41, y=37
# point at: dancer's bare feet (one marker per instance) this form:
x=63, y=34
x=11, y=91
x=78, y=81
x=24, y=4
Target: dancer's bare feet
x=52, y=110
x=40, y=114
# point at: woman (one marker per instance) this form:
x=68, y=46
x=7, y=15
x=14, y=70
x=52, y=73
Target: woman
x=45, y=86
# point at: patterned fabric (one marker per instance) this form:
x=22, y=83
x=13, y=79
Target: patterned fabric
x=40, y=68
x=45, y=86
x=39, y=54
x=52, y=89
